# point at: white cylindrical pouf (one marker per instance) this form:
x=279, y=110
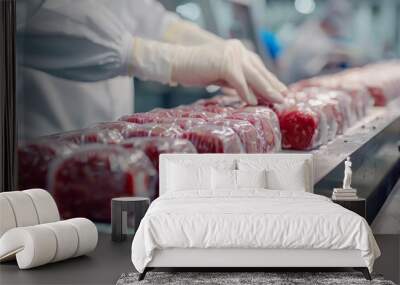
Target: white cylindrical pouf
x=7, y=218
x=67, y=239
x=34, y=246
x=45, y=205
x=23, y=208
x=87, y=234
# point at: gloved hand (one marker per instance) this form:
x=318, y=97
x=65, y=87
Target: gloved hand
x=227, y=64
x=184, y=32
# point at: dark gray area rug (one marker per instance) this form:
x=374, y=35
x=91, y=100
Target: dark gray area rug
x=233, y=278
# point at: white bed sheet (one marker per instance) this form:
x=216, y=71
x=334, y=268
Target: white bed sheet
x=252, y=218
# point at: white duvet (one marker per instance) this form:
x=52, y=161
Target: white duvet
x=250, y=219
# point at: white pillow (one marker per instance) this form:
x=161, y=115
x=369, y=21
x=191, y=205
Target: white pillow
x=182, y=177
x=280, y=180
x=251, y=179
x=223, y=179
x=282, y=174
x=227, y=179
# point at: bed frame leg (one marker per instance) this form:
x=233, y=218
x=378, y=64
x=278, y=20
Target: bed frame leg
x=143, y=274
x=364, y=271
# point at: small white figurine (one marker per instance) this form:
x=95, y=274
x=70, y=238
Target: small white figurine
x=347, y=174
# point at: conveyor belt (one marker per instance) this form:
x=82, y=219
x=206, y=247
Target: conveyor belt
x=373, y=145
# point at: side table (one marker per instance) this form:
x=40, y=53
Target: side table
x=120, y=208
x=358, y=206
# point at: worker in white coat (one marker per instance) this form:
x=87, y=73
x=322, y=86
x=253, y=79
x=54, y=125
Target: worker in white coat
x=318, y=43
x=79, y=58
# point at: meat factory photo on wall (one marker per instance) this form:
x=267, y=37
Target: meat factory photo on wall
x=179, y=142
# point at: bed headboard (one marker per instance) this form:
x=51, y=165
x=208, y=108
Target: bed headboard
x=278, y=161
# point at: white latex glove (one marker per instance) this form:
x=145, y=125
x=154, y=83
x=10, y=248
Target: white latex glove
x=227, y=64
x=186, y=33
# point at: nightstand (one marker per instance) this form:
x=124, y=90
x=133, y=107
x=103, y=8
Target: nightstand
x=120, y=209
x=358, y=206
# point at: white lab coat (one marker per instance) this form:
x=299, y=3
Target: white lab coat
x=307, y=54
x=73, y=59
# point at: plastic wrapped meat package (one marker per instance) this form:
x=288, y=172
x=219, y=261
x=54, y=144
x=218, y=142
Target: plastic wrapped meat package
x=267, y=126
x=34, y=159
x=154, y=130
x=222, y=101
x=87, y=136
x=183, y=123
x=155, y=146
x=380, y=80
x=120, y=126
x=193, y=113
x=224, y=111
x=209, y=138
x=334, y=105
x=245, y=130
x=139, y=118
x=84, y=182
x=302, y=127
x=360, y=100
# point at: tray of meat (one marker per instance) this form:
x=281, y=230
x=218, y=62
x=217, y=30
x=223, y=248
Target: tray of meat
x=267, y=126
x=214, y=139
x=154, y=130
x=34, y=159
x=154, y=146
x=245, y=130
x=84, y=182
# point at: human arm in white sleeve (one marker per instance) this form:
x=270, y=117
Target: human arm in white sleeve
x=86, y=41
x=179, y=31
x=79, y=40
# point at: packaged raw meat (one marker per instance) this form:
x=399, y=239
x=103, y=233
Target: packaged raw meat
x=245, y=130
x=302, y=127
x=84, y=182
x=34, y=159
x=192, y=113
x=154, y=146
x=154, y=130
x=381, y=80
x=222, y=101
x=139, y=118
x=216, y=109
x=335, y=105
x=330, y=115
x=359, y=96
x=214, y=139
x=120, y=126
x=87, y=136
x=267, y=126
x=184, y=123
x=166, y=113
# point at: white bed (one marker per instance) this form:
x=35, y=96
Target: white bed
x=284, y=225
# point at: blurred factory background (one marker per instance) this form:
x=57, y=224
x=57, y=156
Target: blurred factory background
x=296, y=38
